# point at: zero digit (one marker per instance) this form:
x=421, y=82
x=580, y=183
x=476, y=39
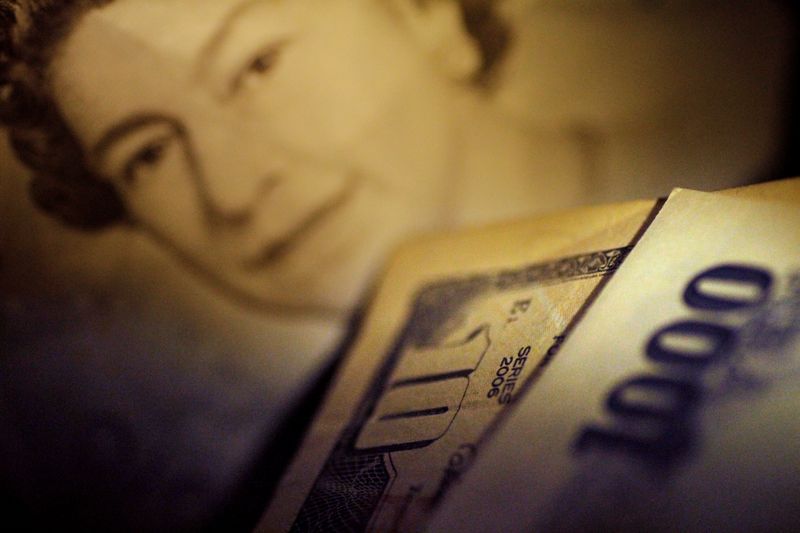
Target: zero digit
x=733, y=276
x=717, y=339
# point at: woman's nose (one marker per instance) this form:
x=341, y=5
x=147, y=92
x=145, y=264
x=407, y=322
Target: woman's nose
x=234, y=177
x=234, y=201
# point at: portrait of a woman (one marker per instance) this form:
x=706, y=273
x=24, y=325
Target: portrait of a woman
x=276, y=150
x=279, y=155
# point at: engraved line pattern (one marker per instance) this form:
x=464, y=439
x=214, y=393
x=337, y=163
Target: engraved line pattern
x=350, y=486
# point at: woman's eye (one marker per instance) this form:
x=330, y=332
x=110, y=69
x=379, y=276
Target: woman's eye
x=257, y=67
x=147, y=158
x=264, y=62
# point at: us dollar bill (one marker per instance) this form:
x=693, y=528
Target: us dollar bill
x=460, y=324
x=673, y=405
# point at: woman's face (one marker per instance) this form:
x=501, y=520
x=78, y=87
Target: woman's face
x=278, y=146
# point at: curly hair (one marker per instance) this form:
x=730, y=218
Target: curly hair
x=63, y=183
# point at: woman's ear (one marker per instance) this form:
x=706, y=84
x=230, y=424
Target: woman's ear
x=438, y=26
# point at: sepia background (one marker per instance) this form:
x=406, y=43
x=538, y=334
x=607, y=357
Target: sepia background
x=124, y=377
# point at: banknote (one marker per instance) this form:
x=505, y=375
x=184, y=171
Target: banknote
x=461, y=325
x=673, y=404
x=197, y=196
x=461, y=322
x=188, y=224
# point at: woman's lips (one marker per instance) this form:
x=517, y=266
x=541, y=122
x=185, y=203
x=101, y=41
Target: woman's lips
x=277, y=249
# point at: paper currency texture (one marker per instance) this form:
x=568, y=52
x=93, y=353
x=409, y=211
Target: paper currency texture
x=671, y=407
x=459, y=326
x=463, y=325
x=197, y=196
